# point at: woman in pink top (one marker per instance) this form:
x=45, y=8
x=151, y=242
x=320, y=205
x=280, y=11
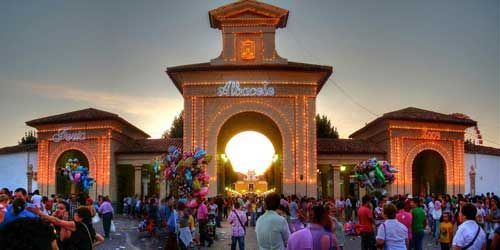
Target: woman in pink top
x=404, y=217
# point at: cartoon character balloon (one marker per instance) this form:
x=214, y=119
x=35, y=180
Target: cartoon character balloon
x=375, y=175
x=185, y=171
x=78, y=174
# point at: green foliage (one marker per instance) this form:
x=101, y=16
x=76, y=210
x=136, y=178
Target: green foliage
x=28, y=138
x=324, y=128
x=177, y=128
x=230, y=175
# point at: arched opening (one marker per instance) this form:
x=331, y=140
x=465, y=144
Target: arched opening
x=64, y=186
x=249, y=122
x=428, y=173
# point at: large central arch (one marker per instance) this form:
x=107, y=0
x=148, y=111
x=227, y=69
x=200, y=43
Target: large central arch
x=250, y=121
x=214, y=127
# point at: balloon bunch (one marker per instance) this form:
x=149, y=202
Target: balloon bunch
x=375, y=175
x=186, y=171
x=78, y=174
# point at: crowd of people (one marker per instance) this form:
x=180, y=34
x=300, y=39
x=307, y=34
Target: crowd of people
x=396, y=222
x=279, y=222
x=32, y=221
x=453, y=222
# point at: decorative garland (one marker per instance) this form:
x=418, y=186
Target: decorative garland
x=78, y=174
x=186, y=172
x=375, y=175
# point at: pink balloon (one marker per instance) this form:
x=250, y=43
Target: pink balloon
x=192, y=204
x=206, y=178
x=203, y=191
x=76, y=178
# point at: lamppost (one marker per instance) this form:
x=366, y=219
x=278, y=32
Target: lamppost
x=342, y=180
x=31, y=176
x=221, y=173
x=472, y=176
x=145, y=183
x=278, y=173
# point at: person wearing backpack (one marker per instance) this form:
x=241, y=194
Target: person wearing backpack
x=237, y=219
x=469, y=236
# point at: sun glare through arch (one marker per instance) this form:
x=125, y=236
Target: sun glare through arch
x=250, y=150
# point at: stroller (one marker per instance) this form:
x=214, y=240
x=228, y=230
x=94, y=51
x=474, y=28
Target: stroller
x=142, y=226
x=350, y=229
x=211, y=226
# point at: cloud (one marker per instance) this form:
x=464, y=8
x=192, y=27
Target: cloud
x=153, y=114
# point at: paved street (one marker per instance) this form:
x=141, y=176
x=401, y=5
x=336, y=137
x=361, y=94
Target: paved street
x=127, y=237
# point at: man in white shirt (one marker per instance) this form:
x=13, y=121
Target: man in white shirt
x=340, y=205
x=272, y=230
x=469, y=235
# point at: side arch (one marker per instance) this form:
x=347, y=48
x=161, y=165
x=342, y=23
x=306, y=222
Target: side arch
x=82, y=147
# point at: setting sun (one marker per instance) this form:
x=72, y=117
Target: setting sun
x=250, y=150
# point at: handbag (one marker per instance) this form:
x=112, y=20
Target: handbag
x=241, y=224
x=473, y=240
x=96, y=219
x=113, y=228
x=385, y=237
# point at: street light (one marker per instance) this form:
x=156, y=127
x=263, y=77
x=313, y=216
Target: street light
x=342, y=168
x=275, y=158
x=224, y=158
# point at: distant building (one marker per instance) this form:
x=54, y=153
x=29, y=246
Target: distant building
x=18, y=165
x=251, y=184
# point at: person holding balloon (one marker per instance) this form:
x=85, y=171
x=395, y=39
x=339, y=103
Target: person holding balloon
x=202, y=217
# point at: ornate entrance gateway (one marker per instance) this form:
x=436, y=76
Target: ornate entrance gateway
x=249, y=77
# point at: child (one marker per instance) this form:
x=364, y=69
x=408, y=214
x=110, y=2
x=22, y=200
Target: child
x=192, y=224
x=481, y=213
x=185, y=236
x=437, y=213
x=446, y=232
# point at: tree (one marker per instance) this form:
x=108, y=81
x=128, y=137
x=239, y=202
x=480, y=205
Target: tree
x=177, y=128
x=28, y=138
x=324, y=128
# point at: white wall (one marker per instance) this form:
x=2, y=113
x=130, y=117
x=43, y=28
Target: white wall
x=13, y=169
x=487, y=173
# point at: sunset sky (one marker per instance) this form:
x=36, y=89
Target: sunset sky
x=59, y=56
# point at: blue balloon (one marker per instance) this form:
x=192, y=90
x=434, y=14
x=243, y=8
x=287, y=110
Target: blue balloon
x=188, y=175
x=172, y=149
x=156, y=166
x=199, y=153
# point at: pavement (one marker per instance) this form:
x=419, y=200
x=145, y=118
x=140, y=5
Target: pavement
x=127, y=237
